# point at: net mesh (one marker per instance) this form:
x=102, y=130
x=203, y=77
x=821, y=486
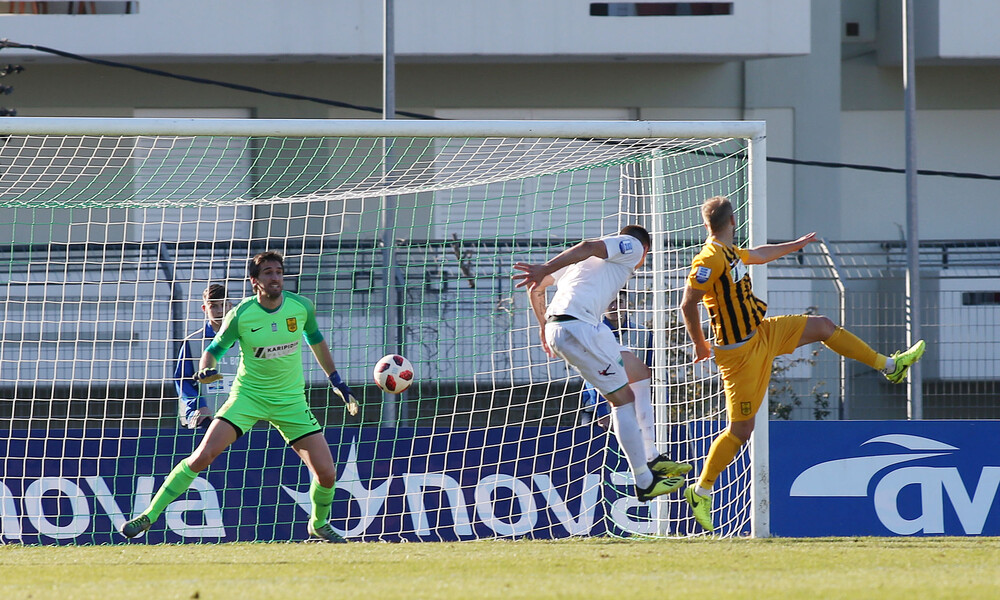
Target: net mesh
x=405, y=245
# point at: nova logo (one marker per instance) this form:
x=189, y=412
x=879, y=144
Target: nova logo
x=851, y=477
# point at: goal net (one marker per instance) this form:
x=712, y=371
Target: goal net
x=403, y=234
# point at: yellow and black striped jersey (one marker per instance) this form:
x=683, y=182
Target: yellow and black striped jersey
x=720, y=271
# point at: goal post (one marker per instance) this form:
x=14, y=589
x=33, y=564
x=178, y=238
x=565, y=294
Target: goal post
x=403, y=234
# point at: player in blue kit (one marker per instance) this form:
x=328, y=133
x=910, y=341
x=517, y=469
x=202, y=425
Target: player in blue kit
x=198, y=402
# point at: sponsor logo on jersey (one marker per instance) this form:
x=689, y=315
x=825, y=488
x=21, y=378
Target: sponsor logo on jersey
x=606, y=372
x=268, y=352
x=702, y=274
x=625, y=246
x=738, y=270
x=292, y=324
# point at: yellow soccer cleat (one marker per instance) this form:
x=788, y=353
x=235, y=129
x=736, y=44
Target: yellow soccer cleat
x=904, y=360
x=701, y=508
x=664, y=467
x=659, y=487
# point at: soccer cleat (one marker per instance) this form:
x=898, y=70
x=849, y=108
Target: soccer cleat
x=324, y=535
x=664, y=467
x=136, y=526
x=904, y=360
x=659, y=487
x=701, y=508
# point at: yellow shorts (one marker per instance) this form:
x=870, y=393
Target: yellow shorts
x=746, y=370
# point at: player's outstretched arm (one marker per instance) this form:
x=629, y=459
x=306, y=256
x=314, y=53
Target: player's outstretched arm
x=692, y=323
x=533, y=274
x=769, y=252
x=536, y=297
x=325, y=359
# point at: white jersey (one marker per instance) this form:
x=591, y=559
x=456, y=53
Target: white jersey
x=585, y=289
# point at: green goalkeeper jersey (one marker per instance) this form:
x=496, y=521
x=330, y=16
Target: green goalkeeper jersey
x=270, y=346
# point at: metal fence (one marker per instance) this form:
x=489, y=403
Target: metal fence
x=862, y=286
x=90, y=331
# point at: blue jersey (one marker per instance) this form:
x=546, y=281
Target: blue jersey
x=192, y=395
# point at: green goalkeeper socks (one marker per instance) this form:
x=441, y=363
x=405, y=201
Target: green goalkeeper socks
x=321, y=498
x=177, y=482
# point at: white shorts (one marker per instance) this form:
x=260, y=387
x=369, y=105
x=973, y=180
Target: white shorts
x=592, y=350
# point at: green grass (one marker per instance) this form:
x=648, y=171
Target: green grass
x=856, y=568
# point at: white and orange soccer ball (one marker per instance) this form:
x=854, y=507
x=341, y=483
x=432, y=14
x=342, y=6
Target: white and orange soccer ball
x=393, y=373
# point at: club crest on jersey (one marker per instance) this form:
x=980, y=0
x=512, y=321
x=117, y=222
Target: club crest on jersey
x=292, y=324
x=702, y=274
x=625, y=246
x=738, y=270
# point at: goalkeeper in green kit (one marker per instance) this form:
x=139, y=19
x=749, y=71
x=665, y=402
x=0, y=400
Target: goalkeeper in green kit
x=269, y=386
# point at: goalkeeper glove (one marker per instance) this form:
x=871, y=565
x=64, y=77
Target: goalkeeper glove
x=194, y=419
x=340, y=387
x=207, y=375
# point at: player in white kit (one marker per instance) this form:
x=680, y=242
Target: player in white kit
x=587, y=278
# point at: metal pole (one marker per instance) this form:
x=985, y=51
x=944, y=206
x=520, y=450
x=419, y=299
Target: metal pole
x=844, y=411
x=177, y=310
x=915, y=404
x=392, y=318
x=388, y=60
x=760, y=441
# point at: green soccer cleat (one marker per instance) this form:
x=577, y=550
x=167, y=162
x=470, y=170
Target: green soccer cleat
x=659, y=487
x=664, y=467
x=904, y=360
x=136, y=526
x=324, y=535
x=701, y=508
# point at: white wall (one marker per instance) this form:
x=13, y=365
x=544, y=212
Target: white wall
x=945, y=31
x=873, y=205
x=431, y=29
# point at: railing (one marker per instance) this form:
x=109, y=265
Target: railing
x=101, y=323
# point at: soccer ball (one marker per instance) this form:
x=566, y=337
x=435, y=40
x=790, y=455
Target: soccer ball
x=393, y=373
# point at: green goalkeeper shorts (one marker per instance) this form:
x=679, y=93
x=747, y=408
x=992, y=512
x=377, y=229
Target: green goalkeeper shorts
x=292, y=417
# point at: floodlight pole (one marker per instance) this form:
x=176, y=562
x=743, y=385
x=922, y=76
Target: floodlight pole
x=393, y=405
x=389, y=60
x=915, y=403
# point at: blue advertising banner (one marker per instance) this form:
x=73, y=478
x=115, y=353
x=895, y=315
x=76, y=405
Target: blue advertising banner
x=884, y=478
x=73, y=487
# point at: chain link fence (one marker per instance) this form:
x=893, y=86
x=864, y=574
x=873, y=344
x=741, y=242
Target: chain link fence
x=862, y=285
x=100, y=331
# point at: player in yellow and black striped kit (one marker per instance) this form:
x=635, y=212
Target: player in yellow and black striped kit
x=746, y=341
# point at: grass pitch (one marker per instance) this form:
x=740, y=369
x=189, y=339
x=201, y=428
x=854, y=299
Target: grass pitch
x=854, y=568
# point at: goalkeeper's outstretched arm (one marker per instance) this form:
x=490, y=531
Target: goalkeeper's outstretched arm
x=325, y=359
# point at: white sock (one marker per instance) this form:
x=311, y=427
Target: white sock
x=890, y=365
x=702, y=491
x=644, y=414
x=630, y=439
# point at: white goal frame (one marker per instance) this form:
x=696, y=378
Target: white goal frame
x=752, y=131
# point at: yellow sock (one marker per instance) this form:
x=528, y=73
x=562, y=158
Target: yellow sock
x=722, y=452
x=847, y=344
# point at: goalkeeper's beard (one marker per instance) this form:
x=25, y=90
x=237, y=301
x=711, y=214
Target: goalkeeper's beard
x=268, y=293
